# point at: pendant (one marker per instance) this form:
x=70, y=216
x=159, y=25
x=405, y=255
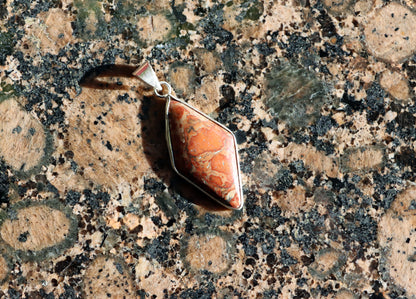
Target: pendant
x=201, y=150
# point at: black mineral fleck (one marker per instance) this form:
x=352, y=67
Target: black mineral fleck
x=204, y=292
x=7, y=43
x=297, y=44
x=96, y=200
x=4, y=183
x=13, y=294
x=23, y=237
x=153, y=186
x=72, y=197
x=328, y=28
x=159, y=248
x=375, y=102
x=69, y=293
x=62, y=265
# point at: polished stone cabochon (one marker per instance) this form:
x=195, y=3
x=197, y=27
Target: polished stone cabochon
x=205, y=153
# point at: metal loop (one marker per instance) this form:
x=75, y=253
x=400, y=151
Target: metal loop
x=166, y=94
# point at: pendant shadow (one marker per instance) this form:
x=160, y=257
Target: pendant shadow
x=152, y=118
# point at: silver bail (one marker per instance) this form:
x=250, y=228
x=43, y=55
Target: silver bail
x=146, y=73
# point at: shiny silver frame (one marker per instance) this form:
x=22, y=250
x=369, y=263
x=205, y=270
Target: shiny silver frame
x=172, y=159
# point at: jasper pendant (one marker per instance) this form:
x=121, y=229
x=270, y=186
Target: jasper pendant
x=202, y=151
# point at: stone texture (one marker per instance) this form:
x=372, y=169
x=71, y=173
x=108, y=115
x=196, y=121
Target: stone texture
x=209, y=61
x=345, y=294
x=314, y=159
x=362, y=159
x=109, y=156
x=391, y=33
x=22, y=137
x=4, y=268
x=207, y=252
x=153, y=28
x=338, y=6
x=293, y=201
x=395, y=84
x=182, y=78
x=326, y=263
x=154, y=278
x=35, y=228
x=205, y=153
x=107, y=277
x=58, y=31
x=48, y=33
x=294, y=95
x=207, y=96
x=397, y=237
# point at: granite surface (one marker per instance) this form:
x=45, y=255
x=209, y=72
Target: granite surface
x=319, y=93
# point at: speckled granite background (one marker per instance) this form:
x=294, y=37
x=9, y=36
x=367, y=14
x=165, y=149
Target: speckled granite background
x=319, y=93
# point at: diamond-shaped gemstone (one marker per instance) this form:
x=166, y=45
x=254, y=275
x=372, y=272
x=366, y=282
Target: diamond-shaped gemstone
x=204, y=153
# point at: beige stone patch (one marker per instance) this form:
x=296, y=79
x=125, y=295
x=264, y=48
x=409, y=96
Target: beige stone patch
x=50, y=31
x=326, y=262
x=189, y=12
x=91, y=22
x=339, y=118
x=35, y=228
x=67, y=179
x=230, y=22
x=391, y=33
x=265, y=172
x=150, y=230
x=153, y=28
x=362, y=159
x=363, y=7
x=207, y=252
x=279, y=15
x=158, y=5
x=345, y=294
x=405, y=202
x=312, y=158
x=58, y=30
x=182, y=79
x=295, y=251
x=338, y=6
x=293, y=201
x=209, y=61
x=4, y=268
x=22, y=138
x=358, y=134
x=154, y=279
x=207, y=96
x=397, y=235
x=395, y=84
x=105, y=276
x=131, y=221
x=367, y=185
x=103, y=135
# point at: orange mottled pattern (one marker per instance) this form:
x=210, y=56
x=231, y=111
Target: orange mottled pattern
x=205, y=153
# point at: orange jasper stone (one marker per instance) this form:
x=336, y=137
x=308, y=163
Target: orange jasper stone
x=204, y=153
